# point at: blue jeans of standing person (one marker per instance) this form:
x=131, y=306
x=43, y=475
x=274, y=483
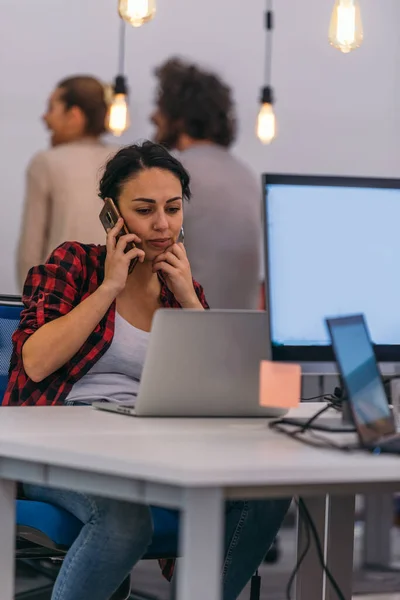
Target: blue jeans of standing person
x=116, y=534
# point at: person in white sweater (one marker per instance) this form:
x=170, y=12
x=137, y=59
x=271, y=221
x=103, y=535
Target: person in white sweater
x=61, y=202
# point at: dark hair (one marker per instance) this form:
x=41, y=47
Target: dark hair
x=199, y=100
x=131, y=160
x=87, y=93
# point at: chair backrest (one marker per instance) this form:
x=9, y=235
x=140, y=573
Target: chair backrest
x=10, y=310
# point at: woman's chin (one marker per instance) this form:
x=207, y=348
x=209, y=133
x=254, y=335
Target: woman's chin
x=151, y=253
x=150, y=257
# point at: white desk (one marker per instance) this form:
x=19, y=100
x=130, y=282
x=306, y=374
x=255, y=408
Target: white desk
x=193, y=465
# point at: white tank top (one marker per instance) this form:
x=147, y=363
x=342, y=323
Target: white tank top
x=116, y=375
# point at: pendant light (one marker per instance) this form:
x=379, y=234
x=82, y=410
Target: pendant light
x=345, y=28
x=118, y=113
x=137, y=12
x=266, y=120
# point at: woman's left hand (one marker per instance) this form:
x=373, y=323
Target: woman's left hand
x=176, y=270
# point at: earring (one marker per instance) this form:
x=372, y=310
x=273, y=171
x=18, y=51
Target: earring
x=181, y=237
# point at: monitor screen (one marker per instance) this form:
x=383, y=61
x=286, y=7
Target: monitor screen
x=360, y=374
x=332, y=248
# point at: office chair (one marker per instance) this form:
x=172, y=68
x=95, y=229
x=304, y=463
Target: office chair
x=45, y=532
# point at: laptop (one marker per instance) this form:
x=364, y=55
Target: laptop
x=362, y=380
x=202, y=364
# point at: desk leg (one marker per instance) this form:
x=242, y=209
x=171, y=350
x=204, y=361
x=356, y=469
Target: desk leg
x=340, y=545
x=378, y=523
x=310, y=578
x=201, y=545
x=7, y=539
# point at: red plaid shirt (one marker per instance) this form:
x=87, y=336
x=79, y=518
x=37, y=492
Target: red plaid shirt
x=71, y=274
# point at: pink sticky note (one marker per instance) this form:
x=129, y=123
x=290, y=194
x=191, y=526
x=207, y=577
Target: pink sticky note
x=280, y=384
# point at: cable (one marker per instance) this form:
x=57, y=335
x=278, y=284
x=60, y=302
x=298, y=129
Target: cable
x=309, y=526
x=121, y=53
x=304, y=512
x=307, y=426
x=311, y=420
x=319, y=397
x=300, y=423
x=299, y=560
x=268, y=43
x=316, y=441
x=332, y=402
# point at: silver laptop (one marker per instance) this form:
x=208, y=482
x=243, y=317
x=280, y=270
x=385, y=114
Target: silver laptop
x=202, y=364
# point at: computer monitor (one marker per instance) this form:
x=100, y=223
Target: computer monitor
x=332, y=247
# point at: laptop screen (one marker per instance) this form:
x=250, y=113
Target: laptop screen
x=360, y=374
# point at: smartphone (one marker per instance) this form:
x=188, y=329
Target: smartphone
x=109, y=217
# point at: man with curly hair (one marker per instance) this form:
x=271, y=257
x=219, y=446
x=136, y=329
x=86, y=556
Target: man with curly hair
x=195, y=115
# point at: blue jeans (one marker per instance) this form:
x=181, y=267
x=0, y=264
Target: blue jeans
x=116, y=534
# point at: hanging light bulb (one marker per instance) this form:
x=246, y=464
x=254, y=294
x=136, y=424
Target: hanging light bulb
x=345, y=29
x=266, y=122
x=137, y=12
x=118, y=112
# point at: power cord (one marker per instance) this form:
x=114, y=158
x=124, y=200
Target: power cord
x=308, y=521
x=332, y=402
x=300, y=559
x=317, y=441
x=319, y=397
x=307, y=426
x=310, y=529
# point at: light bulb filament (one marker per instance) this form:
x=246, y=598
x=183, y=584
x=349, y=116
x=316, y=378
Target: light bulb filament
x=138, y=9
x=346, y=25
x=118, y=120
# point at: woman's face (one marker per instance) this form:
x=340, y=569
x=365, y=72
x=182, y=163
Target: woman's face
x=151, y=205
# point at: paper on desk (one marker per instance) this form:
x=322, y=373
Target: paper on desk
x=280, y=384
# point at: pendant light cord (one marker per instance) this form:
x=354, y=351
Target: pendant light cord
x=121, y=57
x=269, y=24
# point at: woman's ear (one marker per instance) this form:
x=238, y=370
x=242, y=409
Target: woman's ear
x=77, y=118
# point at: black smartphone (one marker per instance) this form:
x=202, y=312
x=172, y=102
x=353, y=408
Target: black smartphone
x=109, y=218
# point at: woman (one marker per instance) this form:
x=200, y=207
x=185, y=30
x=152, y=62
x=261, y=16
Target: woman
x=83, y=336
x=61, y=201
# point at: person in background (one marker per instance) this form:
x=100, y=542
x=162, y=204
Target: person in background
x=61, y=201
x=195, y=115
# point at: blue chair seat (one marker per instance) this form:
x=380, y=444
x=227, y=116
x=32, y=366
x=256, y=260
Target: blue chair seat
x=56, y=523
x=63, y=528
x=166, y=533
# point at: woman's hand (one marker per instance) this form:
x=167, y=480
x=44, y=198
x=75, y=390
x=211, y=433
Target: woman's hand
x=117, y=260
x=176, y=270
